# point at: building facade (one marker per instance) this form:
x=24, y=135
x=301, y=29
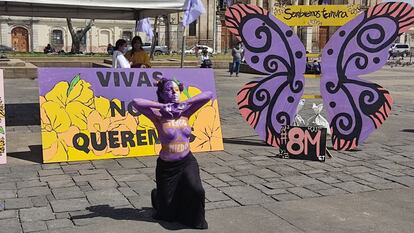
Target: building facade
x=28, y=34
x=314, y=38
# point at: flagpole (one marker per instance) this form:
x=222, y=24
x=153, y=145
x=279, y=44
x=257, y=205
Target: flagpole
x=193, y=11
x=182, y=48
x=214, y=27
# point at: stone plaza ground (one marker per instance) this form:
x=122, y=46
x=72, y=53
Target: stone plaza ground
x=248, y=188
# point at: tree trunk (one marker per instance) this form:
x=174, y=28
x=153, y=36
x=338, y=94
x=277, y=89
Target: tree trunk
x=154, y=38
x=75, y=45
x=167, y=31
x=78, y=36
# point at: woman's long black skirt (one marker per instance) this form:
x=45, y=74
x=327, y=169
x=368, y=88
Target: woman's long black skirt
x=180, y=194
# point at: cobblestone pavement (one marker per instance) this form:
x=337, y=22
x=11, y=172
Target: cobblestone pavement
x=38, y=197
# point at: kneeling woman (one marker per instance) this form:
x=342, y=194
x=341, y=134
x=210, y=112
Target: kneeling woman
x=180, y=195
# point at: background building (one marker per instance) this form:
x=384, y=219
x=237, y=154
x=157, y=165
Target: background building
x=33, y=34
x=314, y=38
x=28, y=34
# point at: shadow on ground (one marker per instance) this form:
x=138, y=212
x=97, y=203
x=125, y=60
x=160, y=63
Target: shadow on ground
x=408, y=130
x=143, y=214
x=241, y=141
x=34, y=155
x=331, y=149
x=22, y=114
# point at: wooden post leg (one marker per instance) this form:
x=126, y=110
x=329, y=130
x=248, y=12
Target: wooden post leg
x=329, y=153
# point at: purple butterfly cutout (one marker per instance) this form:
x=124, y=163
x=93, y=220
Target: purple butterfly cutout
x=355, y=107
x=272, y=48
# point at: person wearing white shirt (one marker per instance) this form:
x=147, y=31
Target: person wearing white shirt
x=118, y=58
x=205, y=60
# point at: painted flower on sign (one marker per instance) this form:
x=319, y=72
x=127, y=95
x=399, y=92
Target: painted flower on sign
x=2, y=130
x=100, y=121
x=2, y=145
x=2, y=112
x=72, y=108
x=57, y=131
x=75, y=98
x=207, y=132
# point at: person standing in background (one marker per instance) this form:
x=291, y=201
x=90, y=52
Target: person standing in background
x=137, y=54
x=110, y=49
x=118, y=58
x=236, y=53
x=205, y=60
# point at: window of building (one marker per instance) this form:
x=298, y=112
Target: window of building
x=192, y=29
x=57, y=37
x=127, y=35
x=104, y=38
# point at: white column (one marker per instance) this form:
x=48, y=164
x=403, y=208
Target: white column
x=308, y=34
x=92, y=40
x=35, y=38
x=402, y=38
x=41, y=35
x=271, y=5
x=161, y=35
x=214, y=26
x=203, y=25
x=218, y=42
x=211, y=22
x=295, y=28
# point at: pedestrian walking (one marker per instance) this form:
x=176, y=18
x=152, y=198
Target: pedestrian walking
x=236, y=53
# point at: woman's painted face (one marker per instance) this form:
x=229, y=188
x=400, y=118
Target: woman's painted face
x=171, y=92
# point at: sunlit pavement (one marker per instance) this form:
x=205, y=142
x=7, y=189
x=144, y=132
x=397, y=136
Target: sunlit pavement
x=248, y=188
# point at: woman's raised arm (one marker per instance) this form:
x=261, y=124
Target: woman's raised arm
x=197, y=102
x=145, y=107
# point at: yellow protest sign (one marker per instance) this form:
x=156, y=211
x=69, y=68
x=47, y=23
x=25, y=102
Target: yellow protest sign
x=89, y=114
x=321, y=15
x=3, y=153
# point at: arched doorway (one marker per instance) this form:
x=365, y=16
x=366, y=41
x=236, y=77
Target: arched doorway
x=20, y=39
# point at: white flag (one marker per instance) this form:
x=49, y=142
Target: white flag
x=144, y=25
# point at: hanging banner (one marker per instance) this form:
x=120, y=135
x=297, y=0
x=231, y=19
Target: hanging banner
x=2, y=122
x=88, y=114
x=312, y=15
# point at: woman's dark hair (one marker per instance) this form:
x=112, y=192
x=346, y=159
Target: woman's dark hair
x=160, y=87
x=119, y=43
x=134, y=41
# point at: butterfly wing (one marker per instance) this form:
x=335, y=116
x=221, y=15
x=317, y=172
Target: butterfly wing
x=272, y=48
x=357, y=107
